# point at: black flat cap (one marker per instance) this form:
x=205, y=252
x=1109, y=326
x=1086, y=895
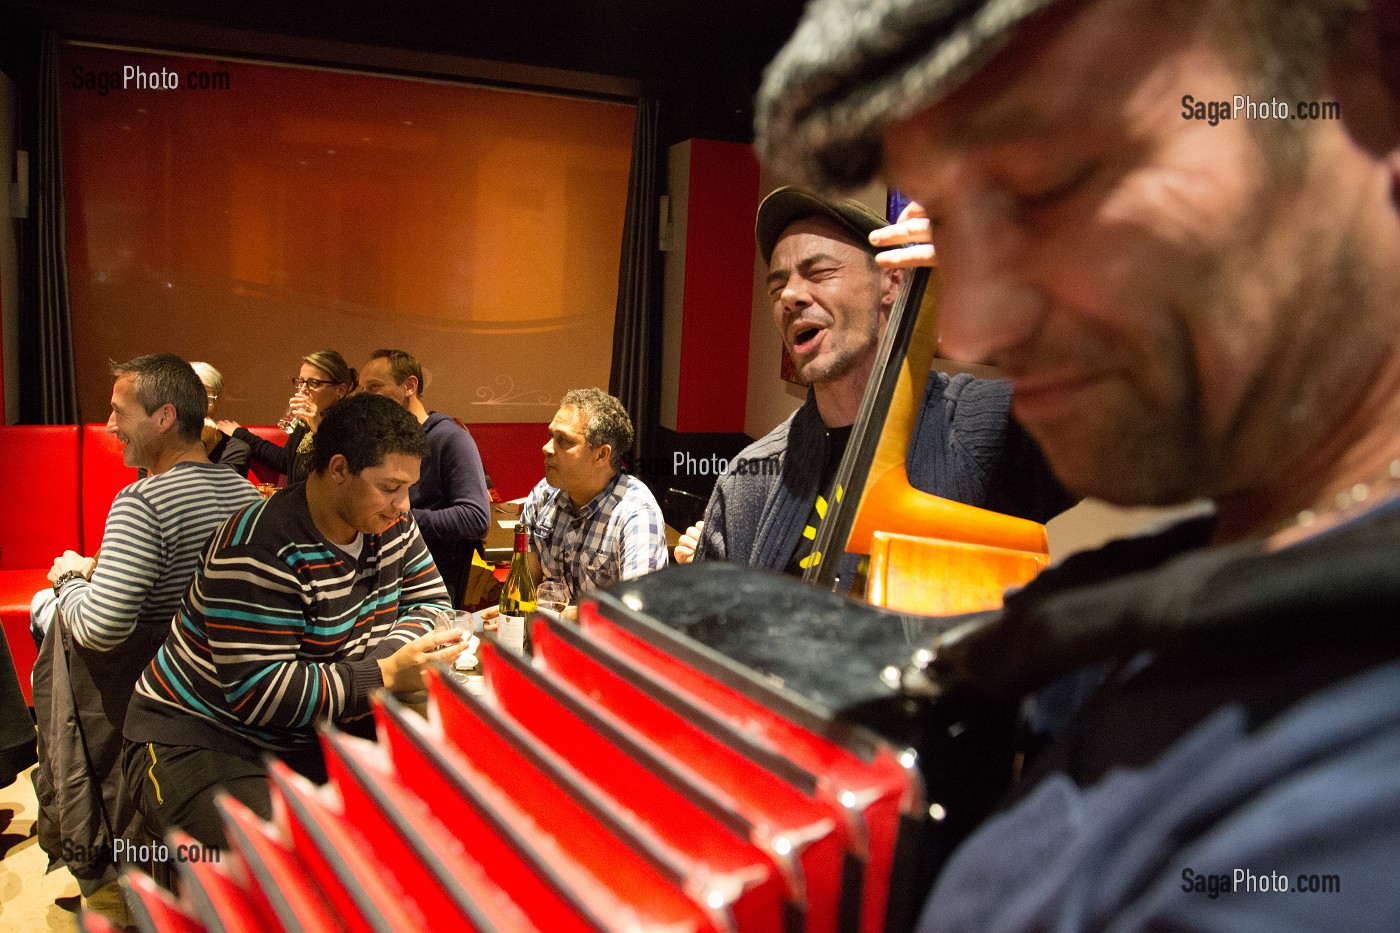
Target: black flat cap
x=788, y=204
x=854, y=66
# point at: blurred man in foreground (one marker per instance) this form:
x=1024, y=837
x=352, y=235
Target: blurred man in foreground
x=1187, y=307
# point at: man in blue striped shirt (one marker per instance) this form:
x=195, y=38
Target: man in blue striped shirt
x=302, y=606
x=115, y=611
x=158, y=524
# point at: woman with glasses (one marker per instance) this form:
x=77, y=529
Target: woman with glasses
x=221, y=448
x=324, y=379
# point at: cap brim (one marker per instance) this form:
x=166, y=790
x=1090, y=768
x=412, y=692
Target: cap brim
x=785, y=205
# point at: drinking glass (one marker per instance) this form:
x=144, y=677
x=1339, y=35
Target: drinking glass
x=454, y=620
x=552, y=597
x=289, y=419
x=461, y=623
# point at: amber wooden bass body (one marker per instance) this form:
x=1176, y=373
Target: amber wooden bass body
x=928, y=555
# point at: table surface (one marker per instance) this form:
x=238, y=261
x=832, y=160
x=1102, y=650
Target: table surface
x=500, y=541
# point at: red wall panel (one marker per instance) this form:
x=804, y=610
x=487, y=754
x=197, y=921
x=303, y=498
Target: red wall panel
x=718, y=305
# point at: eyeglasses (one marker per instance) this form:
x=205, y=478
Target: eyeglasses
x=311, y=384
x=212, y=398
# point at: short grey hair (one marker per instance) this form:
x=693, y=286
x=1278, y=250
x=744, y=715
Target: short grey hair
x=165, y=379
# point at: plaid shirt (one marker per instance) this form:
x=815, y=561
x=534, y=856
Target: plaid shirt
x=619, y=535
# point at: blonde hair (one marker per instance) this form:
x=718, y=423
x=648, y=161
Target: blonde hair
x=333, y=364
x=213, y=379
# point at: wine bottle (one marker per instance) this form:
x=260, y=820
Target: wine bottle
x=517, y=596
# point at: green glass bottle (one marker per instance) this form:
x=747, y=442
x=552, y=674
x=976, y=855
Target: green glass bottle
x=517, y=596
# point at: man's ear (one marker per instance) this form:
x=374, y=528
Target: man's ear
x=165, y=417
x=410, y=386
x=889, y=290
x=338, y=470
x=603, y=454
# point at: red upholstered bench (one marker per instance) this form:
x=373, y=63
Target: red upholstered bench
x=62, y=480
x=510, y=451
x=39, y=473
x=103, y=476
x=259, y=472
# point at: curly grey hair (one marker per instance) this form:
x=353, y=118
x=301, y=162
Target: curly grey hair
x=607, y=422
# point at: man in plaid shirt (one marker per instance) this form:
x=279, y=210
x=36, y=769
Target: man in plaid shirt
x=590, y=523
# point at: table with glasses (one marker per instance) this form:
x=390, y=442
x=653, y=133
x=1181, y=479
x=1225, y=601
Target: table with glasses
x=500, y=538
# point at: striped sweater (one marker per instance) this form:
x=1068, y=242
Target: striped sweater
x=155, y=530
x=282, y=629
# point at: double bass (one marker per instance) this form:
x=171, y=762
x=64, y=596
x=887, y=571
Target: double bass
x=928, y=555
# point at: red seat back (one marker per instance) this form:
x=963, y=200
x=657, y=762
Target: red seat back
x=103, y=476
x=260, y=472
x=39, y=476
x=510, y=451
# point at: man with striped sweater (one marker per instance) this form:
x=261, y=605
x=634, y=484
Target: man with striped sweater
x=115, y=608
x=157, y=525
x=301, y=607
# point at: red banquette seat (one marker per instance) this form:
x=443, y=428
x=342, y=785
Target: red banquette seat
x=39, y=473
x=510, y=451
x=257, y=471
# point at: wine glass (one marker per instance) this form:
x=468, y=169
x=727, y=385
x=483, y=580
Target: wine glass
x=551, y=598
x=461, y=622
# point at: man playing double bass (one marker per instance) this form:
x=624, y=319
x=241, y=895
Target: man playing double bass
x=830, y=303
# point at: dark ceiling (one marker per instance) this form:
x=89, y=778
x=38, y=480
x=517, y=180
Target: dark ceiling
x=705, y=55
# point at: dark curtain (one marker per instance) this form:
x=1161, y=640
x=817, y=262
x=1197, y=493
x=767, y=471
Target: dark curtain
x=636, y=354
x=50, y=393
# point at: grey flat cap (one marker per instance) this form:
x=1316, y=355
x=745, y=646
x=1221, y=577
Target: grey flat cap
x=854, y=66
x=788, y=204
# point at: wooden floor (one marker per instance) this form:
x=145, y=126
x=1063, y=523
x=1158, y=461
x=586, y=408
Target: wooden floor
x=29, y=899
